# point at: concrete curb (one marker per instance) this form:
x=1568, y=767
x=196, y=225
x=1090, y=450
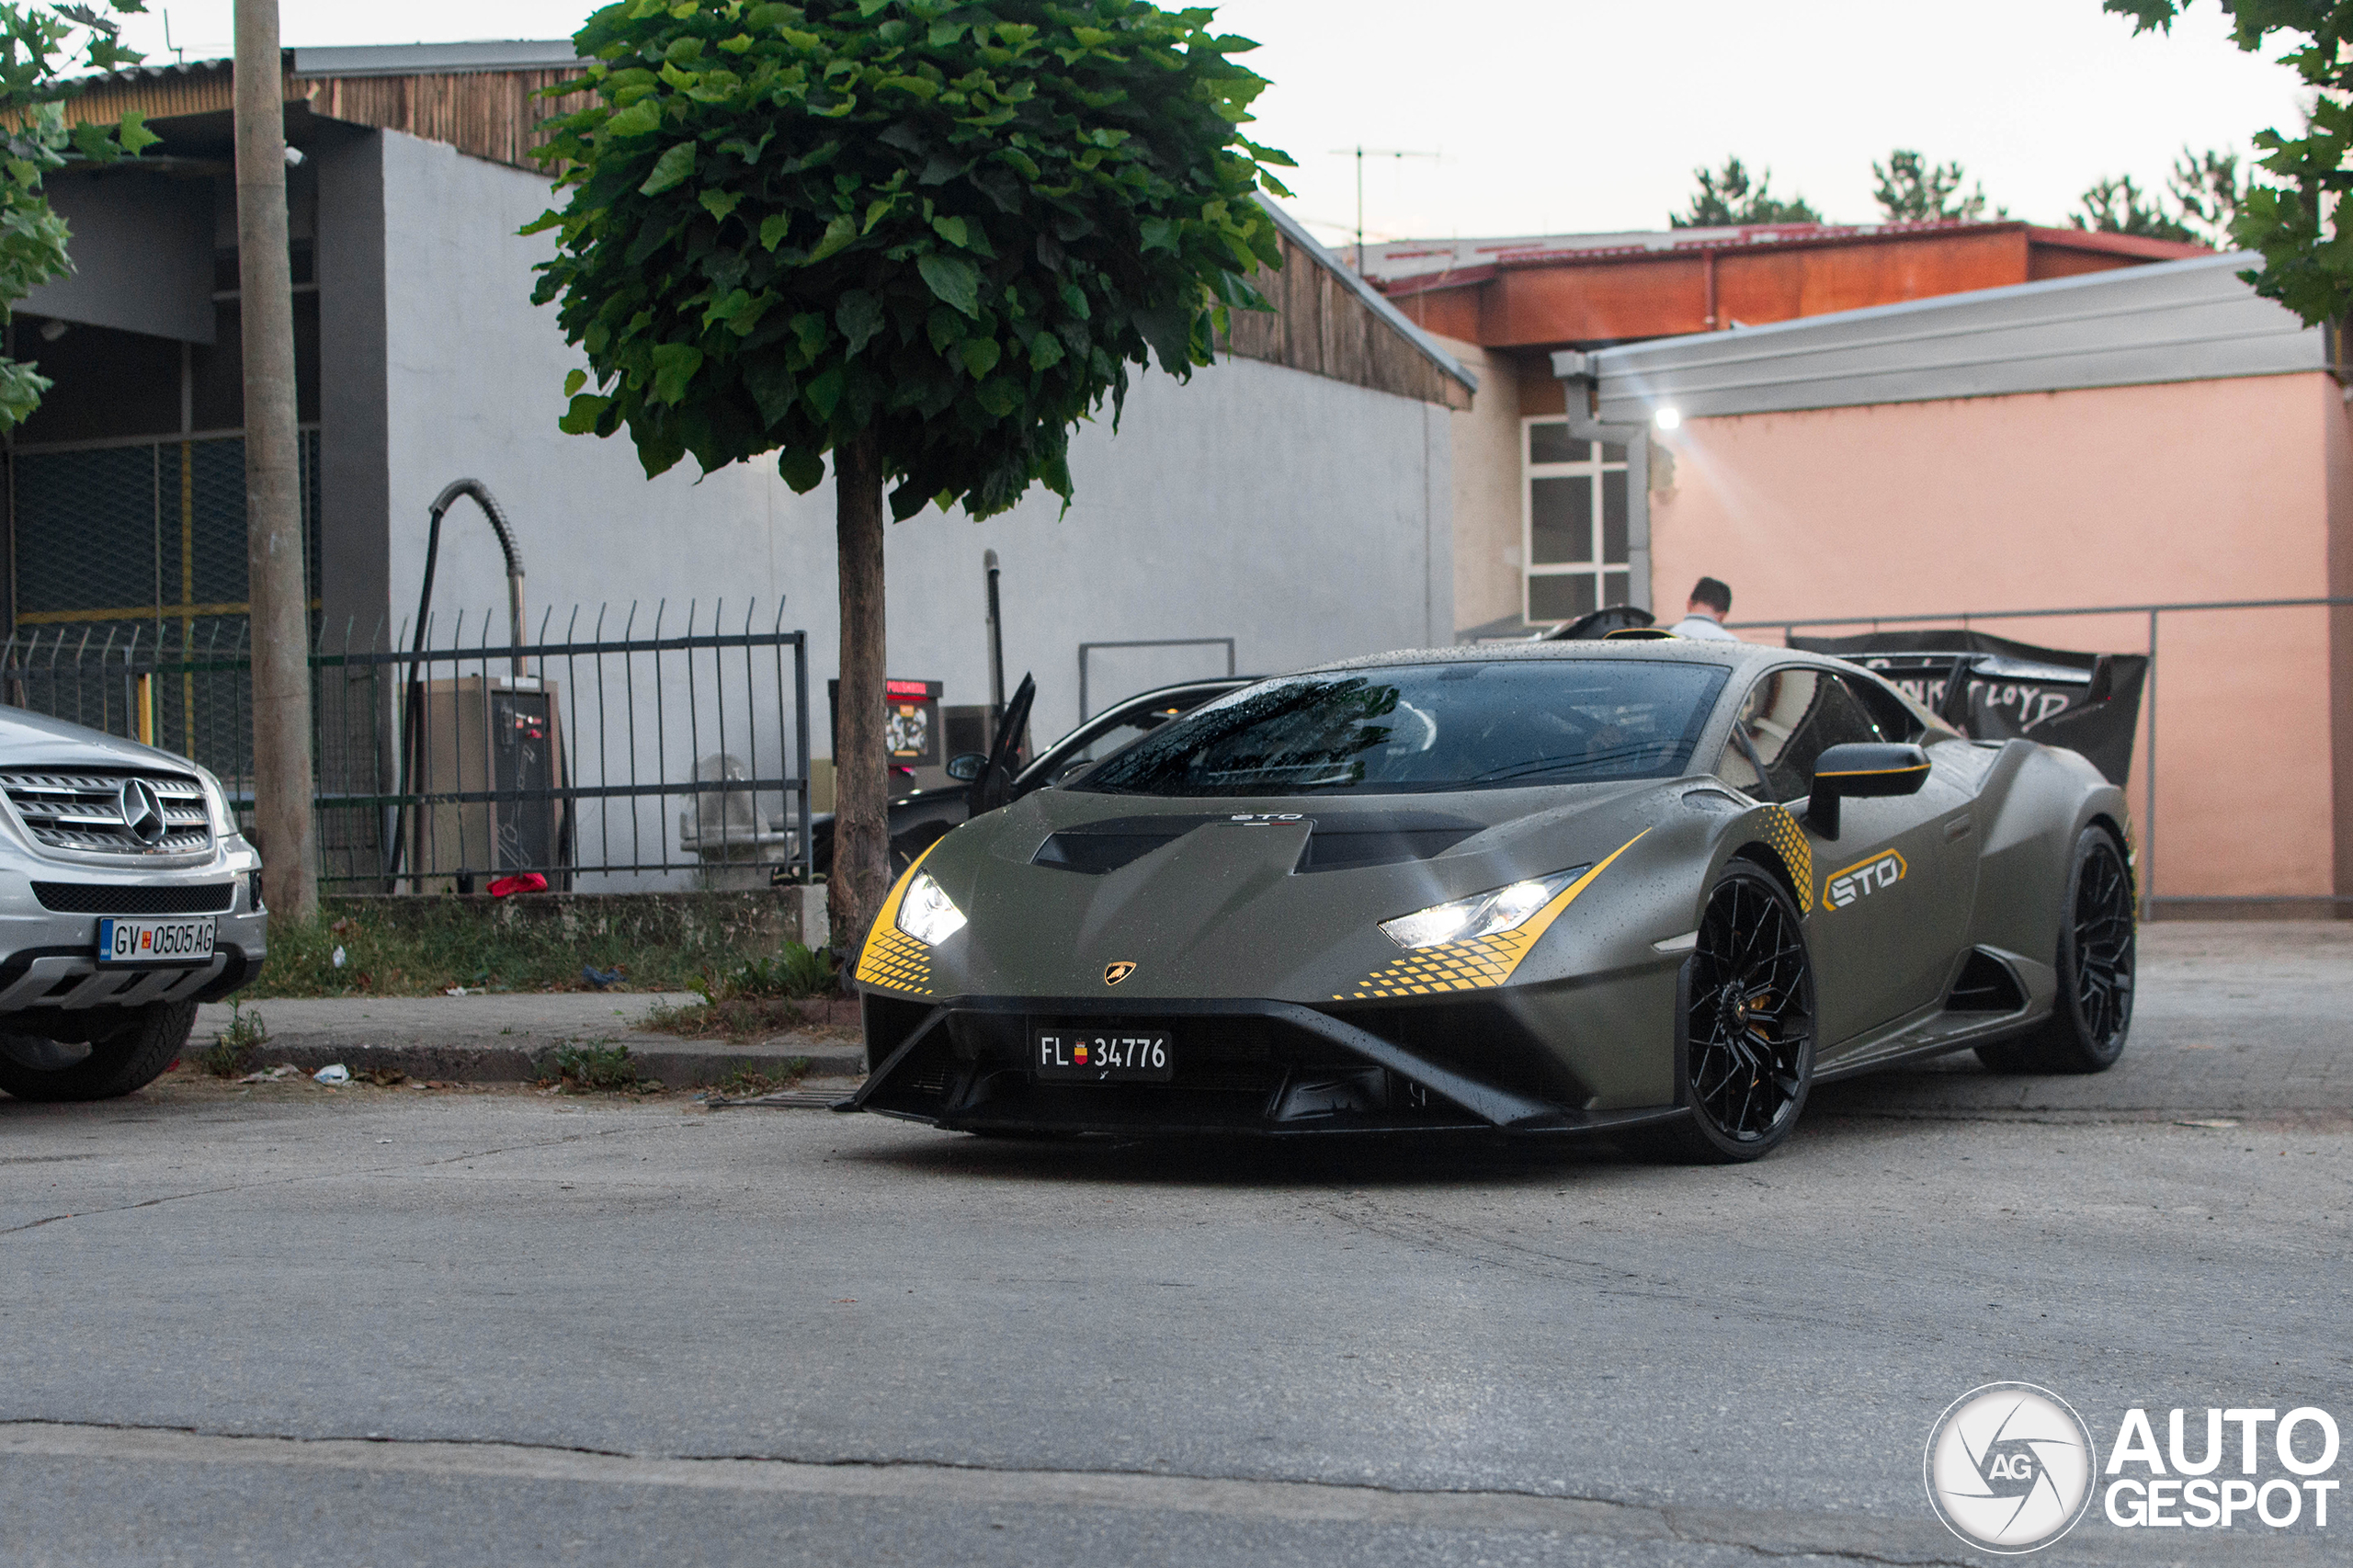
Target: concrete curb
x=679, y=1064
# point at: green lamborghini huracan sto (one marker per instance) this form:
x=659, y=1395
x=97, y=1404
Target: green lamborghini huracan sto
x=1651, y=889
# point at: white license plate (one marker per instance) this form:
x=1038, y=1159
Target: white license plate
x=155, y=942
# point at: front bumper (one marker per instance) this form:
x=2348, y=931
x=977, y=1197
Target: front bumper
x=1243, y=1066
x=49, y=957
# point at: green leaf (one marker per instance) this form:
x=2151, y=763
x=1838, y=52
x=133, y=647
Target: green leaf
x=575, y=382
x=674, y=365
x=1158, y=234
x=671, y=168
x=773, y=228
x=860, y=315
x=581, y=418
x=135, y=135
x=838, y=233
x=825, y=392
x=1045, y=351
x=639, y=119
x=803, y=469
x=953, y=280
x=720, y=203
x=981, y=355
x=915, y=86
x=953, y=231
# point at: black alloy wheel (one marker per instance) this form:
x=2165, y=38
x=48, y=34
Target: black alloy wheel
x=2098, y=947
x=1749, y=1023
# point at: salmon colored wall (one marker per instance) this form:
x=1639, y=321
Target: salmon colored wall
x=2194, y=491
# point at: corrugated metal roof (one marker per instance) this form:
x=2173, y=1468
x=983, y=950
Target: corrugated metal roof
x=436, y=58
x=2175, y=321
x=1372, y=297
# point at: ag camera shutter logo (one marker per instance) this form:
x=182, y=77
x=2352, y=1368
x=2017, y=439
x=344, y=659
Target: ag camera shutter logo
x=2009, y=1467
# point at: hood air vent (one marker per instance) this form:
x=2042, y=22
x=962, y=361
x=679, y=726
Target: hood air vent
x=1344, y=842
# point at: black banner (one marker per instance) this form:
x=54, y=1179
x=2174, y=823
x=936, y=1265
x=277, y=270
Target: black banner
x=2086, y=702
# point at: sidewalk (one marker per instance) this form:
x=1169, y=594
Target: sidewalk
x=2231, y=1016
x=497, y=1038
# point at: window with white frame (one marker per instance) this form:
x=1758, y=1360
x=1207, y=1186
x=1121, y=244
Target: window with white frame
x=1573, y=522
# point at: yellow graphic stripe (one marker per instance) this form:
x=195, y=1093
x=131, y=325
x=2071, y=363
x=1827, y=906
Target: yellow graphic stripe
x=1789, y=840
x=1872, y=772
x=1478, y=964
x=892, y=959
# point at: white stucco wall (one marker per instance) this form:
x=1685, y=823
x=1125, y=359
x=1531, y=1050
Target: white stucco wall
x=1306, y=518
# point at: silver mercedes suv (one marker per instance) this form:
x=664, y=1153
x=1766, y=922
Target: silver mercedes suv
x=127, y=896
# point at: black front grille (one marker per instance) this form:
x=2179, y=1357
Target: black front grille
x=105, y=898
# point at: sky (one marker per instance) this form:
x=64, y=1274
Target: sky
x=1577, y=116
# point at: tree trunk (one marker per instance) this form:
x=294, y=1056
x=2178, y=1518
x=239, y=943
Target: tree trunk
x=861, y=874
x=280, y=606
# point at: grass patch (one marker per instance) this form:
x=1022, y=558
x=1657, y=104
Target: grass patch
x=750, y=1083
x=232, y=1053
x=753, y=999
x=425, y=950
x=584, y=1068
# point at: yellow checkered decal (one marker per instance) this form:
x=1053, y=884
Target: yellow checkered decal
x=1476, y=965
x=1784, y=832
x=895, y=961
x=892, y=959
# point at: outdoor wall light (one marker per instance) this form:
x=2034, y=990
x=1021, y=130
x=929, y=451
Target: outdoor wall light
x=51, y=331
x=1668, y=418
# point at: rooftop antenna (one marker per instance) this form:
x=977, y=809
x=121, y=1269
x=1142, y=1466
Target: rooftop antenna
x=1361, y=154
x=178, y=55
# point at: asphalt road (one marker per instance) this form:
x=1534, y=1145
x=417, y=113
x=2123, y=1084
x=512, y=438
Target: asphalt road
x=378, y=1326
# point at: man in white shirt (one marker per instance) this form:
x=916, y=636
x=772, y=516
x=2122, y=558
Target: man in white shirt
x=1704, y=616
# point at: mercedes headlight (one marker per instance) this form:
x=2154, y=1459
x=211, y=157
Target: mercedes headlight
x=1481, y=915
x=927, y=913
x=216, y=803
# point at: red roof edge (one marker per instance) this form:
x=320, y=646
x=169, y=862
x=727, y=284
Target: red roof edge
x=2115, y=244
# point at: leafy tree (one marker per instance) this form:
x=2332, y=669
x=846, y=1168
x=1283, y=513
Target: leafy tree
x=2307, y=261
x=921, y=236
x=2207, y=189
x=39, y=44
x=1726, y=197
x=2118, y=207
x=1912, y=190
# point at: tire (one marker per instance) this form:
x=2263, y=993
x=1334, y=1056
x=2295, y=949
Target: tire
x=2097, y=951
x=1745, y=1063
x=126, y=1058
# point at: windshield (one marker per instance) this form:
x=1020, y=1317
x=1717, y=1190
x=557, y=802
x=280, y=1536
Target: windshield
x=1412, y=728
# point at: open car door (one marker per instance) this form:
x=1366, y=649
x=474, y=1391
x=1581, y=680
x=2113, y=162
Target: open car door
x=993, y=787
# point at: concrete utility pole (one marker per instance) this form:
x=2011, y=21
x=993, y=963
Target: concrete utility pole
x=280, y=603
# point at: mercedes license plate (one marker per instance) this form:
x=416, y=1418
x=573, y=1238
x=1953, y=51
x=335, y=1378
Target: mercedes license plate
x=155, y=942
x=1103, y=1056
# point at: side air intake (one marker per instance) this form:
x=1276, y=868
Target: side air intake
x=1986, y=986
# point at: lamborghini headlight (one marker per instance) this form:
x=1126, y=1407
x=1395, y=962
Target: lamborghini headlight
x=1481, y=915
x=927, y=913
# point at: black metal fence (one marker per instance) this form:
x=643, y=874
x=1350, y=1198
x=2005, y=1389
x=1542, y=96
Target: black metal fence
x=632, y=746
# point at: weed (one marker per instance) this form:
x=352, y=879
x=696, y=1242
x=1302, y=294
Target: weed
x=795, y=972
x=415, y=952
x=581, y=1069
x=748, y=1083
x=233, y=1049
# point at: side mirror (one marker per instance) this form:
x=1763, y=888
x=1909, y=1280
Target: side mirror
x=965, y=767
x=1864, y=768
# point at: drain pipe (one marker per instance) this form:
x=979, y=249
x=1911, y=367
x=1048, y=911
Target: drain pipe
x=1580, y=378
